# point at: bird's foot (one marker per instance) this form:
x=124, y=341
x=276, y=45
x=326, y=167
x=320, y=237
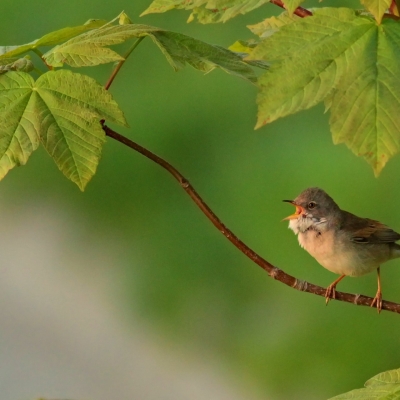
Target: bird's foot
x=378, y=301
x=330, y=293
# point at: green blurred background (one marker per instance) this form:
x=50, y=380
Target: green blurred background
x=136, y=247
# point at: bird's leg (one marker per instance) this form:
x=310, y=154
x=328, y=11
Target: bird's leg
x=378, y=297
x=331, y=289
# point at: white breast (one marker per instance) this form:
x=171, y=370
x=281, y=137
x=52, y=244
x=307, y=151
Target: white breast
x=344, y=261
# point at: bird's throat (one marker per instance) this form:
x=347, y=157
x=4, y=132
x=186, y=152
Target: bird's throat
x=303, y=224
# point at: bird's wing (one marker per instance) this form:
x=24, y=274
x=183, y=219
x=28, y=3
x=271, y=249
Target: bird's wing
x=364, y=230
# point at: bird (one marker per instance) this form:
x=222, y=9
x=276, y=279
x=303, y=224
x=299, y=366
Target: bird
x=341, y=242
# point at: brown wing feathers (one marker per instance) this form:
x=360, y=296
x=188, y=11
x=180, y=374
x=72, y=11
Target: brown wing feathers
x=368, y=230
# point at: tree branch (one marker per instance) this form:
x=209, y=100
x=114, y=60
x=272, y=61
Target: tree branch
x=272, y=271
x=300, y=11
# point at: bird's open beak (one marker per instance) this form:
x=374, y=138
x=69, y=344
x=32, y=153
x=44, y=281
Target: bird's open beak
x=296, y=215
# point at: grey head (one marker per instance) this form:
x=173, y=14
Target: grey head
x=314, y=208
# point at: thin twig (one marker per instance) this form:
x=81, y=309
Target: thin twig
x=121, y=63
x=300, y=11
x=272, y=271
x=40, y=54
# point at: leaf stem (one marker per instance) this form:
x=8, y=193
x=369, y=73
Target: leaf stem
x=394, y=8
x=272, y=271
x=300, y=11
x=40, y=54
x=121, y=63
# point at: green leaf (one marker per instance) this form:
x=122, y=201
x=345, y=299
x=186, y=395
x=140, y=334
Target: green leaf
x=19, y=125
x=161, y=6
x=291, y=5
x=71, y=106
x=364, y=109
x=384, y=386
x=13, y=51
x=271, y=25
x=207, y=11
x=67, y=33
x=348, y=61
x=50, y=39
x=392, y=376
x=243, y=49
x=181, y=49
x=241, y=46
x=303, y=57
x=63, y=110
x=376, y=7
x=395, y=7
x=88, y=48
x=124, y=19
x=222, y=11
x=15, y=64
x=7, y=61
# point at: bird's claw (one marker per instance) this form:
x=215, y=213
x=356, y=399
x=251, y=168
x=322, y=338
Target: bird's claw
x=330, y=293
x=378, y=301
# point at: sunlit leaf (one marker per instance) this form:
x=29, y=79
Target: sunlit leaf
x=61, y=109
x=271, y=25
x=376, y=7
x=6, y=61
x=207, y=11
x=364, y=109
x=50, y=39
x=291, y=5
x=67, y=33
x=179, y=50
x=384, y=386
x=19, y=124
x=160, y=6
x=241, y=46
x=302, y=54
x=124, y=19
x=243, y=49
x=392, y=376
x=89, y=48
x=347, y=60
x=15, y=64
x=14, y=51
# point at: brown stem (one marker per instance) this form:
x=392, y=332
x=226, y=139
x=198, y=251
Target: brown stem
x=300, y=11
x=121, y=63
x=394, y=7
x=272, y=271
x=40, y=54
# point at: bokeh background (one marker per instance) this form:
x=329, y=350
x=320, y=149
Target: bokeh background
x=127, y=291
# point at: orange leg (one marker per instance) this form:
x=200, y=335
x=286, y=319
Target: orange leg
x=331, y=289
x=378, y=297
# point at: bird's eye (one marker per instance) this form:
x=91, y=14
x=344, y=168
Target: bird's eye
x=311, y=205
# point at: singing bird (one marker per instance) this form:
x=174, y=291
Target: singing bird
x=340, y=241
